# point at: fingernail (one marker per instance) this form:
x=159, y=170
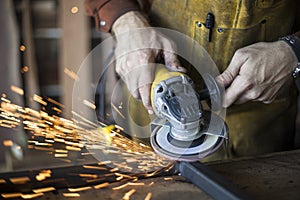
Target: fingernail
x=150, y=112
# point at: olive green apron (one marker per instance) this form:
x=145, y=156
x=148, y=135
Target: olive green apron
x=254, y=128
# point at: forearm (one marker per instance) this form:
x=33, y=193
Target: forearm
x=106, y=12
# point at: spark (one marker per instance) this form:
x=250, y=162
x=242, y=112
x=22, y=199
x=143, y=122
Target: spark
x=31, y=196
x=102, y=185
x=22, y=48
x=65, y=160
x=136, y=184
x=148, y=196
x=19, y=180
x=114, y=169
x=11, y=195
x=73, y=148
x=8, y=143
x=74, y=10
x=58, y=137
x=55, y=102
x=94, y=167
x=24, y=69
x=117, y=110
x=43, y=190
x=2, y=181
x=57, y=109
x=43, y=175
x=89, y=175
x=131, y=160
x=79, y=189
x=71, y=74
x=87, y=153
x=128, y=194
x=150, y=184
x=105, y=162
x=57, y=155
x=89, y=104
x=123, y=175
x=49, y=141
x=39, y=99
x=120, y=187
x=61, y=151
x=119, y=127
x=95, y=180
x=71, y=194
x=17, y=90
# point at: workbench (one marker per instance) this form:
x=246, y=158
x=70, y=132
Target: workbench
x=274, y=176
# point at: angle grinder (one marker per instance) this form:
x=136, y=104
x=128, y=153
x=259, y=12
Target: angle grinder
x=183, y=129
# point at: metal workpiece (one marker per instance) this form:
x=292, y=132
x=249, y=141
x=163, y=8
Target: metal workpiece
x=271, y=176
x=209, y=181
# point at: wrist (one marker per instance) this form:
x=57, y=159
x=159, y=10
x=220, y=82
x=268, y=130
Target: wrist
x=293, y=43
x=106, y=12
x=128, y=21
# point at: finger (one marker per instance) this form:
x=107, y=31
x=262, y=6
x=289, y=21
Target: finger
x=145, y=92
x=130, y=77
x=170, y=57
x=237, y=88
x=270, y=100
x=145, y=82
x=233, y=69
x=251, y=95
x=172, y=62
x=119, y=66
x=136, y=94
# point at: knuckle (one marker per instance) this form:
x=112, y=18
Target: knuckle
x=227, y=76
x=135, y=93
x=118, y=68
x=249, y=82
x=241, y=54
x=238, y=53
x=253, y=95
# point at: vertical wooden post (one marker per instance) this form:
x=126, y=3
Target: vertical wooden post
x=73, y=50
x=30, y=77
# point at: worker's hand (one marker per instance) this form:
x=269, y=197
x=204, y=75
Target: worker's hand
x=257, y=72
x=139, y=45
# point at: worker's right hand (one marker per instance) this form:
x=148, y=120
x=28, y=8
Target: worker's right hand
x=138, y=46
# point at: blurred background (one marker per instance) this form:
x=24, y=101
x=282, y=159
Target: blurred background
x=44, y=42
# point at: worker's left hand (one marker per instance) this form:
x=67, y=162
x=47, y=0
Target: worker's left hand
x=257, y=72
x=138, y=48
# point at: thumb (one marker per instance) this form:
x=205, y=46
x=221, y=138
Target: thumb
x=232, y=70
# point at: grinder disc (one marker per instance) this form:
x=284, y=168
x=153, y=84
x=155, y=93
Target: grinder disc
x=164, y=144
